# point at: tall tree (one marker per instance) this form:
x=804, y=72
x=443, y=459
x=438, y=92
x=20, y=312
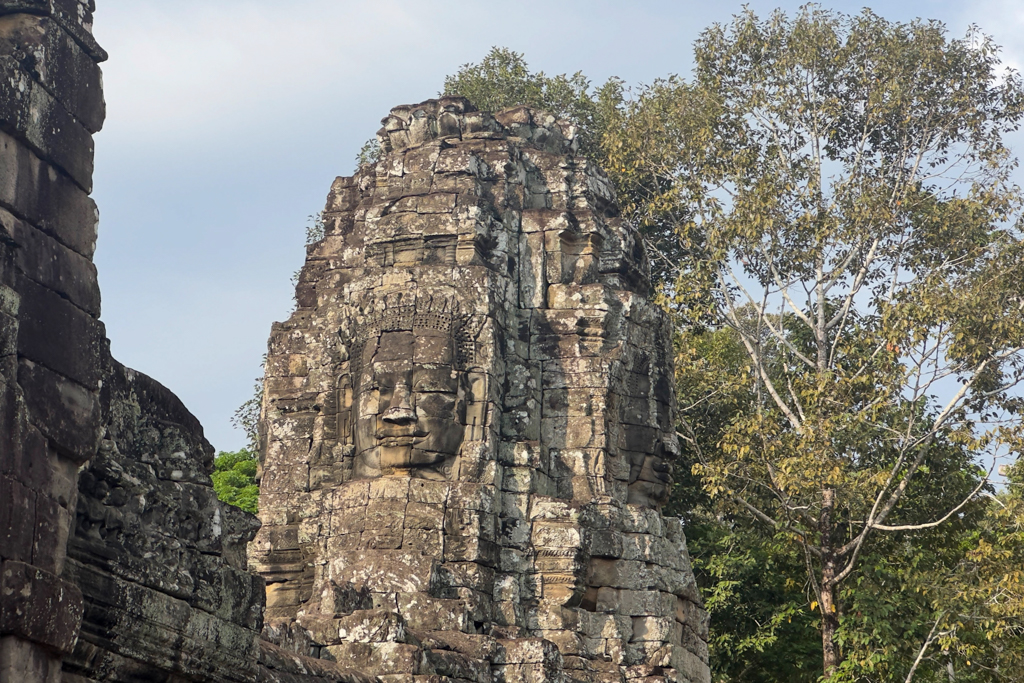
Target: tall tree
x=836, y=192
x=754, y=578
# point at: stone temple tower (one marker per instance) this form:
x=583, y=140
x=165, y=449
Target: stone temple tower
x=468, y=422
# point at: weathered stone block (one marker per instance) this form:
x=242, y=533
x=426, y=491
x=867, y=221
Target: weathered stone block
x=515, y=505
x=58, y=63
x=56, y=333
x=618, y=574
x=52, y=265
x=50, y=535
x=673, y=581
x=394, y=488
x=524, y=673
x=424, y=516
x=548, y=509
x=74, y=16
x=23, y=660
x=39, y=606
x=606, y=543
x=603, y=625
x=44, y=124
x=369, y=626
x=66, y=412
x=429, y=492
x=382, y=540
x=39, y=193
x=514, y=532
x=8, y=334
x=638, y=519
x=385, y=514
x=423, y=541
x=382, y=659
x=645, y=603
x=17, y=519
x=660, y=629
x=525, y=651
x=470, y=575
x=556, y=535
x=524, y=480
x=471, y=549
x=354, y=494
x=384, y=571
x=426, y=613
x=473, y=496
x=457, y=666
x=282, y=480
x=694, y=616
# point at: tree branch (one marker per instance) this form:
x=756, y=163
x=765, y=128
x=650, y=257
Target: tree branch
x=924, y=648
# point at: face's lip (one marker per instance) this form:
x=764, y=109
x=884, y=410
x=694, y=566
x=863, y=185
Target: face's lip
x=400, y=437
x=397, y=441
x=400, y=431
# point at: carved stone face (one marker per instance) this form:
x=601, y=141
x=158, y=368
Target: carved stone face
x=409, y=405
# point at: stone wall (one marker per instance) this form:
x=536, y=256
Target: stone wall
x=160, y=561
x=51, y=341
x=469, y=422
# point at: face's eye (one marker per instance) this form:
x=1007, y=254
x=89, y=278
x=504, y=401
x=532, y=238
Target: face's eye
x=436, y=405
x=439, y=380
x=368, y=402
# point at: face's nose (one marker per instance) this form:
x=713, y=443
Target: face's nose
x=399, y=411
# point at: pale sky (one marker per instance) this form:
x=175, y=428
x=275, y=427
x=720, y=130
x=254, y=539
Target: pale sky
x=228, y=120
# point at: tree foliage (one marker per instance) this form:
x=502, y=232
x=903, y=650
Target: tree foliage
x=977, y=633
x=503, y=79
x=247, y=415
x=234, y=479
x=835, y=192
x=370, y=153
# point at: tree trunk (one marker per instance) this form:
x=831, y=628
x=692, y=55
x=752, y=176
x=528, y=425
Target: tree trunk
x=828, y=606
x=829, y=617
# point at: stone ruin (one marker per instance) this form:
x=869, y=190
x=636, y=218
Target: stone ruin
x=468, y=422
x=468, y=425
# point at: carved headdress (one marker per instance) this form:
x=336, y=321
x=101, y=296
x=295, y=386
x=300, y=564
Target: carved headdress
x=412, y=311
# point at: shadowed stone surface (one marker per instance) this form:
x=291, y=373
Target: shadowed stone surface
x=51, y=341
x=468, y=422
x=160, y=561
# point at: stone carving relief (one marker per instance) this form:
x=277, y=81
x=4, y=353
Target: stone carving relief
x=411, y=395
x=468, y=422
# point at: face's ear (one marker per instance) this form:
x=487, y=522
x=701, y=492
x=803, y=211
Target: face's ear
x=345, y=409
x=476, y=386
x=476, y=404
